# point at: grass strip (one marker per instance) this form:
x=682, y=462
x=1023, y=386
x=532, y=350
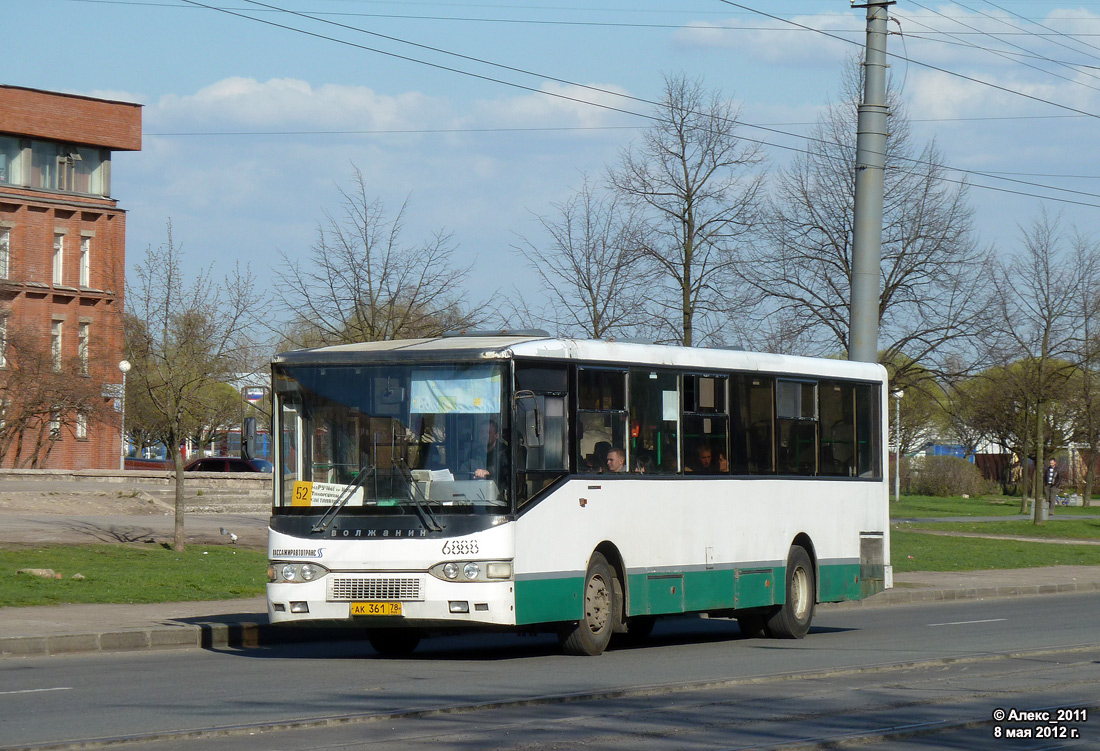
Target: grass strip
x=142, y=573
x=916, y=551
x=922, y=506
x=1056, y=529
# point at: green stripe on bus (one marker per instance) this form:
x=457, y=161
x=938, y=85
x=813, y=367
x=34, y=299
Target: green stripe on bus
x=838, y=582
x=549, y=600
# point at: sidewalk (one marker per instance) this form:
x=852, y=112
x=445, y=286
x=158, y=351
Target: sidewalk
x=70, y=629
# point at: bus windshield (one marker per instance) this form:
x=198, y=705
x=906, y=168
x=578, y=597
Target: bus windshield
x=379, y=439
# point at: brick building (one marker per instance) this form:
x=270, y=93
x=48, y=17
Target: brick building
x=62, y=275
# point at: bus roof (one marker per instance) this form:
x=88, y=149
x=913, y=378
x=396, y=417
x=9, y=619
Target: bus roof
x=482, y=347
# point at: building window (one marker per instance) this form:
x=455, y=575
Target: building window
x=10, y=161
x=43, y=165
x=55, y=426
x=3, y=341
x=85, y=261
x=55, y=344
x=82, y=426
x=90, y=168
x=58, y=257
x=5, y=251
x=82, y=345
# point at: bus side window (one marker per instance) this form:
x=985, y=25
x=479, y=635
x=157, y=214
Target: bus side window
x=543, y=388
x=752, y=415
x=838, y=429
x=796, y=424
x=654, y=406
x=601, y=416
x=868, y=439
x=705, y=425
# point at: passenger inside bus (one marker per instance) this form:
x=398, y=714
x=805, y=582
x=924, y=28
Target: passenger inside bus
x=704, y=463
x=616, y=460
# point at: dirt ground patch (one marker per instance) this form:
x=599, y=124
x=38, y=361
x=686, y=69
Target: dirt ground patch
x=99, y=502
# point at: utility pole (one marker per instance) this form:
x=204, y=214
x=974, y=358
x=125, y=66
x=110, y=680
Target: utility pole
x=870, y=165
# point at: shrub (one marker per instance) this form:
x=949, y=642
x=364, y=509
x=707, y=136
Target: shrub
x=944, y=476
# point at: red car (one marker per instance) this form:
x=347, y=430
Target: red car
x=228, y=464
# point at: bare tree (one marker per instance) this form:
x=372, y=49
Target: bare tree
x=1039, y=315
x=42, y=397
x=931, y=290
x=1086, y=386
x=361, y=282
x=182, y=338
x=592, y=266
x=697, y=186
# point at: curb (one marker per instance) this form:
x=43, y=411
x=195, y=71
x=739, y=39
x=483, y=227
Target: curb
x=252, y=635
x=905, y=596
x=241, y=635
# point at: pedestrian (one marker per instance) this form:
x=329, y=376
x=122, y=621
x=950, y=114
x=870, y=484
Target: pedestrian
x=1052, y=478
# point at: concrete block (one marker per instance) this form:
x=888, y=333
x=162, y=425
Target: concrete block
x=62, y=643
x=175, y=637
x=23, y=646
x=121, y=641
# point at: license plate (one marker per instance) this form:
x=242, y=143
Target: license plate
x=376, y=608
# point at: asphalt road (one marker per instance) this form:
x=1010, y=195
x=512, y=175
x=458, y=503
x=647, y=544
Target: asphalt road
x=927, y=676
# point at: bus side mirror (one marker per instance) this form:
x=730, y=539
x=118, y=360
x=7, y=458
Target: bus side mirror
x=248, y=438
x=532, y=428
x=532, y=419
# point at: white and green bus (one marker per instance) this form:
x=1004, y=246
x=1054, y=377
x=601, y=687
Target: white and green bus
x=524, y=482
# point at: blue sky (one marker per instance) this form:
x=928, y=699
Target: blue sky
x=249, y=127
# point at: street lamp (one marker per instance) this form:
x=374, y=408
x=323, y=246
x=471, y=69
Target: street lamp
x=124, y=367
x=897, y=444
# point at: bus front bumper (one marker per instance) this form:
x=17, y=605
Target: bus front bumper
x=435, y=601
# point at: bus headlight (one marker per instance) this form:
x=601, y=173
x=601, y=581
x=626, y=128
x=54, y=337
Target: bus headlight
x=472, y=571
x=294, y=573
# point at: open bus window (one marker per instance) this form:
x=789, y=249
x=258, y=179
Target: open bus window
x=705, y=425
x=601, y=416
x=654, y=422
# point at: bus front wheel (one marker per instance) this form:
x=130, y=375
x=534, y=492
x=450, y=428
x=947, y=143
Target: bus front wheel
x=591, y=634
x=792, y=619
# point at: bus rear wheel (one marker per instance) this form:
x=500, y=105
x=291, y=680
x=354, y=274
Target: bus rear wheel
x=393, y=642
x=592, y=633
x=792, y=619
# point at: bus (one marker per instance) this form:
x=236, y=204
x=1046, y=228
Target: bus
x=523, y=482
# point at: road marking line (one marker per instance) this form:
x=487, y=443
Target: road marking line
x=967, y=623
x=36, y=690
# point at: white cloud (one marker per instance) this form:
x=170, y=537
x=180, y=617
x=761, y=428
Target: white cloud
x=561, y=106
x=935, y=94
x=778, y=43
x=287, y=102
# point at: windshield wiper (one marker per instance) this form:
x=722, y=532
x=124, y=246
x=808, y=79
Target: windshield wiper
x=422, y=506
x=342, y=500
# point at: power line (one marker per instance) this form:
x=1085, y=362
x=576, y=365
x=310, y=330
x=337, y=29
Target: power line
x=1007, y=55
x=583, y=86
x=921, y=63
